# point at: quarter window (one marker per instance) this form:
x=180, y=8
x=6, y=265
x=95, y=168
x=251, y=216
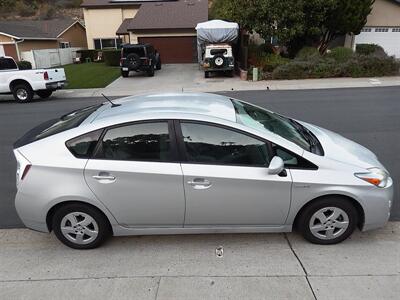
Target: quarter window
x=137, y=142
x=83, y=146
x=215, y=145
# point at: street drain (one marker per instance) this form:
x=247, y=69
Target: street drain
x=219, y=252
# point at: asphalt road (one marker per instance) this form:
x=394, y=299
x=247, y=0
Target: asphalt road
x=369, y=116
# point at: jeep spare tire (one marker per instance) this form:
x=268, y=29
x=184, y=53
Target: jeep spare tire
x=134, y=61
x=219, y=61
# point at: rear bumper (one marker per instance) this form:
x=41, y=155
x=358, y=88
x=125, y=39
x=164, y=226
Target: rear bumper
x=56, y=85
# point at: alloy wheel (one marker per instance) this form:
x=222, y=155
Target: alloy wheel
x=79, y=228
x=329, y=223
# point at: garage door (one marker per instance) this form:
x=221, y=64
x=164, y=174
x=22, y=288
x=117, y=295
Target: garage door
x=174, y=50
x=386, y=37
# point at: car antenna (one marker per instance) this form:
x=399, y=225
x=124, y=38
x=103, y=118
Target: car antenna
x=109, y=100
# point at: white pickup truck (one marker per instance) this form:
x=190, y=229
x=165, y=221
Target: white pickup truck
x=23, y=84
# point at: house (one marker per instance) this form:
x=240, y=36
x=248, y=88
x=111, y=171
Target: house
x=25, y=35
x=168, y=25
x=382, y=28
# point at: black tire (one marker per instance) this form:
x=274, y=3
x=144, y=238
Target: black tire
x=206, y=74
x=231, y=73
x=158, y=65
x=125, y=74
x=133, y=61
x=151, y=71
x=22, y=92
x=104, y=230
x=306, y=217
x=44, y=94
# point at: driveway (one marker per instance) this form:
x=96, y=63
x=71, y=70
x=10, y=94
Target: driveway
x=171, y=78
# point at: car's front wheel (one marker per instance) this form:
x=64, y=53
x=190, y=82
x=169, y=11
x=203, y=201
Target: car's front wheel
x=328, y=221
x=80, y=226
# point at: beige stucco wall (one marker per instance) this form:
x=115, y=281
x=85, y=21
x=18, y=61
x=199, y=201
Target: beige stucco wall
x=137, y=34
x=5, y=39
x=76, y=36
x=28, y=45
x=104, y=22
x=384, y=13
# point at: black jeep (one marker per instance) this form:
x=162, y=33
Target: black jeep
x=140, y=57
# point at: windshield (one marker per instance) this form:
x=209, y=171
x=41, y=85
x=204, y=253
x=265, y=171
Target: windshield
x=52, y=127
x=258, y=118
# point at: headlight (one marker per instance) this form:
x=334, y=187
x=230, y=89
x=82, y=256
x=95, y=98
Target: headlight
x=375, y=176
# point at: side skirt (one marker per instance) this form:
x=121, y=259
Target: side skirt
x=125, y=231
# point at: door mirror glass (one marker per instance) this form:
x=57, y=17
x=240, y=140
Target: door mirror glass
x=276, y=166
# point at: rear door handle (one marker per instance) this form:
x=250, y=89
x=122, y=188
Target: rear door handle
x=104, y=177
x=200, y=183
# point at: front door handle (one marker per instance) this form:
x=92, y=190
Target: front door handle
x=200, y=183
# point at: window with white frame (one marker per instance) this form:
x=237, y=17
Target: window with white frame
x=366, y=30
x=381, y=29
x=396, y=29
x=64, y=45
x=112, y=43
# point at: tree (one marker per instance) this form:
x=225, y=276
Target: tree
x=344, y=17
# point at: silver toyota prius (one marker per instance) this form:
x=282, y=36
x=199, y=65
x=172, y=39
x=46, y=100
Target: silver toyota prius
x=194, y=163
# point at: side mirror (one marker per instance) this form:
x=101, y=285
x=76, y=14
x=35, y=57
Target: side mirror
x=276, y=166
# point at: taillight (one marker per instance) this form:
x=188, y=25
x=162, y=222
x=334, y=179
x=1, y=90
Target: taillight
x=46, y=76
x=121, y=61
x=25, y=172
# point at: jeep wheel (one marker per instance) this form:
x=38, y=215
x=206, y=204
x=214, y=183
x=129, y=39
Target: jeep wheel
x=151, y=71
x=133, y=61
x=23, y=92
x=206, y=74
x=158, y=65
x=125, y=74
x=219, y=61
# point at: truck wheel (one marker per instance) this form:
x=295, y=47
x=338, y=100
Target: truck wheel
x=44, y=94
x=125, y=74
x=158, y=65
x=22, y=92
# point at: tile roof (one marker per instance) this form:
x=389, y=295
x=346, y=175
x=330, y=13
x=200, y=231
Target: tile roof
x=102, y=3
x=182, y=14
x=42, y=29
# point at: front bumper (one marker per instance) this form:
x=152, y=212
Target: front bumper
x=56, y=85
x=377, y=204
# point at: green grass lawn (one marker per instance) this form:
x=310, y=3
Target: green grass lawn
x=90, y=75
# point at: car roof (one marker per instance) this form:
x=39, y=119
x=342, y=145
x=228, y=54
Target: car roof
x=212, y=105
x=136, y=45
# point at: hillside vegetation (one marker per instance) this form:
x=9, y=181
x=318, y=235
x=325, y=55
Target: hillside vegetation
x=39, y=9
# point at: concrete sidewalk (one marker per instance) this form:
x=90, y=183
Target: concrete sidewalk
x=188, y=78
x=262, y=266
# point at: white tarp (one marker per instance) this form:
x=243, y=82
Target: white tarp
x=215, y=31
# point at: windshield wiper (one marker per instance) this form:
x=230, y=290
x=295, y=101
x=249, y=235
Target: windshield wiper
x=305, y=133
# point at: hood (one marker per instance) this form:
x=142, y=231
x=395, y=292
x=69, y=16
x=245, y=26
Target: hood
x=341, y=149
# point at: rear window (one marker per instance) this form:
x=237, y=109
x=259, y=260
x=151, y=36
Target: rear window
x=7, y=64
x=137, y=50
x=55, y=126
x=84, y=145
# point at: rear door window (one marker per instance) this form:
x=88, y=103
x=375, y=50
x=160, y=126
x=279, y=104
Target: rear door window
x=137, y=142
x=7, y=64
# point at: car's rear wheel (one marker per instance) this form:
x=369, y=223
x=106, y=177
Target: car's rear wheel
x=125, y=74
x=206, y=74
x=80, y=226
x=44, y=94
x=22, y=92
x=328, y=221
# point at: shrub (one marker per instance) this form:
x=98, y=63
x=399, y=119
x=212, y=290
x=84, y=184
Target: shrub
x=24, y=10
x=368, y=49
x=307, y=53
x=341, y=54
x=371, y=66
x=270, y=62
x=24, y=65
x=92, y=54
x=293, y=70
x=112, y=57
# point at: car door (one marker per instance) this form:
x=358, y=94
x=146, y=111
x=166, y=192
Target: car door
x=226, y=178
x=135, y=174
